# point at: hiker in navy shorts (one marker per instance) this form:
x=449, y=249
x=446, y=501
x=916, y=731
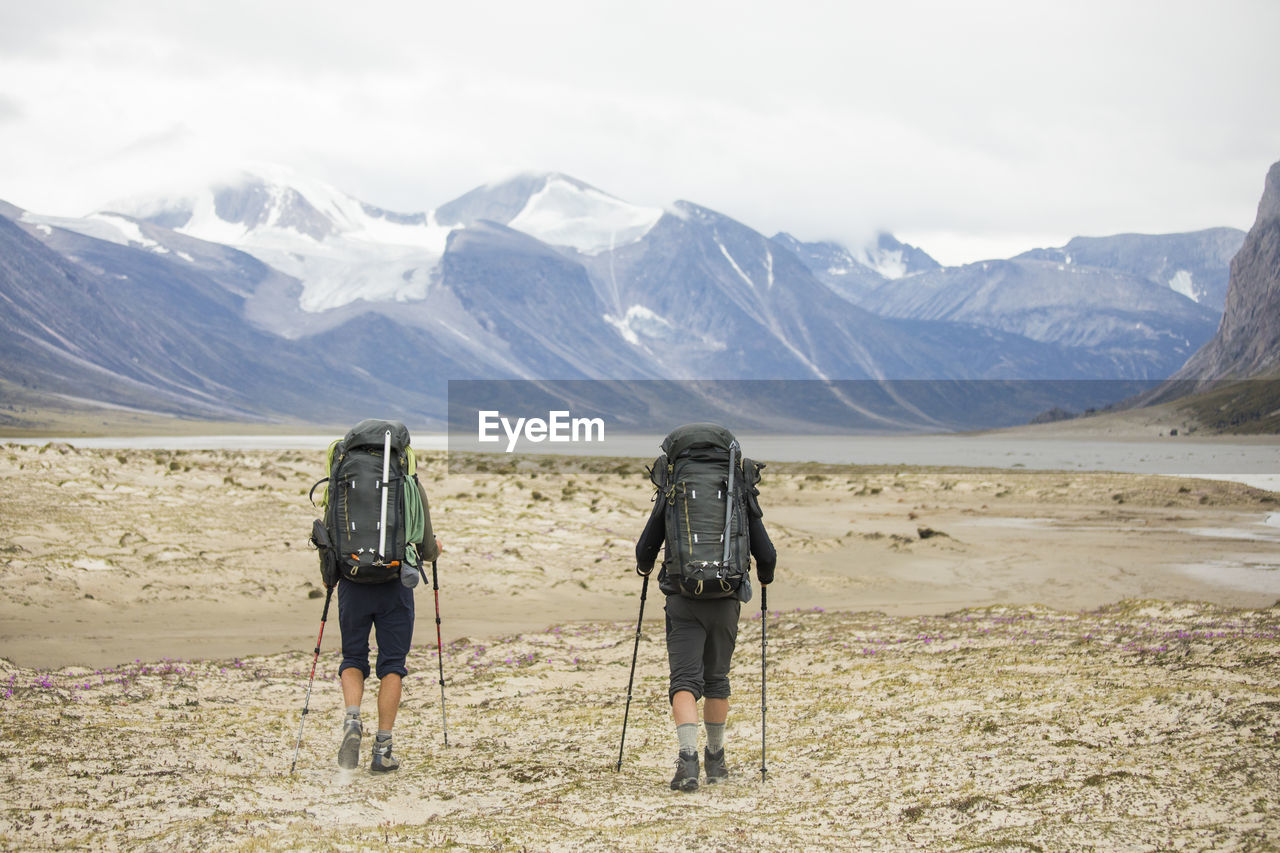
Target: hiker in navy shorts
x=386, y=609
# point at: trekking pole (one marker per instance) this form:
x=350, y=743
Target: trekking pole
x=306, y=706
x=644, y=590
x=435, y=587
x=764, y=644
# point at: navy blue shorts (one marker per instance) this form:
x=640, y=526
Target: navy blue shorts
x=700, y=640
x=387, y=608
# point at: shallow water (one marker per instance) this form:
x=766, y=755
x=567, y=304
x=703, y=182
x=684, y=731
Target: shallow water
x=1248, y=575
x=1262, y=533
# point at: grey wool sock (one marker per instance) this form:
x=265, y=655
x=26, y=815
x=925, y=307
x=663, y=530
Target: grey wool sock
x=384, y=735
x=715, y=736
x=687, y=733
x=353, y=712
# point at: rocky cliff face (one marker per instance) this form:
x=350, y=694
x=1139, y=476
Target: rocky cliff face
x=1247, y=343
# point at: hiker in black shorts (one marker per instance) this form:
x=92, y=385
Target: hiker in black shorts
x=701, y=632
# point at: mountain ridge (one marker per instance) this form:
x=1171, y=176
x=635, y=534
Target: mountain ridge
x=1247, y=341
x=577, y=284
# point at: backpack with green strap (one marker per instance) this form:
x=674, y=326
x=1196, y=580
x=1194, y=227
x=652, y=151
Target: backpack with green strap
x=358, y=502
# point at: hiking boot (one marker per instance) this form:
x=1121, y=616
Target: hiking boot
x=686, y=778
x=716, y=769
x=383, y=760
x=349, y=752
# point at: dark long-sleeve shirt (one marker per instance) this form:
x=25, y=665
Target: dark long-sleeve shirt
x=654, y=536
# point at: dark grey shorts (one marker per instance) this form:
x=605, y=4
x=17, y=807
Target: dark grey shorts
x=700, y=640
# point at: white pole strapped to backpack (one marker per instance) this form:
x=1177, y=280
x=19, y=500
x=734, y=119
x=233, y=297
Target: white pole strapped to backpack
x=728, y=506
x=386, y=472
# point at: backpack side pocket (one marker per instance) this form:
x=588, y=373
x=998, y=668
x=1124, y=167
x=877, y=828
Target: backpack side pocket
x=328, y=556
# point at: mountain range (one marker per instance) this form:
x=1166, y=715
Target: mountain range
x=273, y=296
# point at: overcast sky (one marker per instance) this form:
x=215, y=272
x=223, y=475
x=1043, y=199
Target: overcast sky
x=972, y=129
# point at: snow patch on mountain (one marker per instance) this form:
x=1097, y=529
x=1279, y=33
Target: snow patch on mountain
x=639, y=322
x=109, y=227
x=724, y=251
x=130, y=231
x=1183, y=283
x=841, y=262
x=889, y=264
x=567, y=213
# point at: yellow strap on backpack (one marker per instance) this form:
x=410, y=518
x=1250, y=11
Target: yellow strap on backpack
x=328, y=467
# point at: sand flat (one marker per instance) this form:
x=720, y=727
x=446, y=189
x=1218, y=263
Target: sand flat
x=958, y=657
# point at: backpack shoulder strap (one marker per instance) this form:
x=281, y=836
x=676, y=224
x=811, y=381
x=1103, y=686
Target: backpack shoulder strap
x=660, y=476
x=334, y=450
x=750, y=481
x=658, y=471
x=311, y=495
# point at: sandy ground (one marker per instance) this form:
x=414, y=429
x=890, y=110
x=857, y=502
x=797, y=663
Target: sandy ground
x=957, y=657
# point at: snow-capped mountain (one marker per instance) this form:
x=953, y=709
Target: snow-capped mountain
x=309, y=297
x=339, y=249
x=116, y=324
x=854, y=272
x=835, y=266
x=1115, y=295
x=893, y=259
x=342, y=250
x=1195, y=265
x=1148, y=329
x=556, y=209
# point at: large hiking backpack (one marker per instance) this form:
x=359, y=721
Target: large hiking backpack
x=708, y=489
x=352, y=539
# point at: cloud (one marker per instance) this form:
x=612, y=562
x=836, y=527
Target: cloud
x=995, y=120
x=39, y=29
x=10, y=109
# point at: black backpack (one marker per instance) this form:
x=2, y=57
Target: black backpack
x=352, y=538
x=709, y=490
